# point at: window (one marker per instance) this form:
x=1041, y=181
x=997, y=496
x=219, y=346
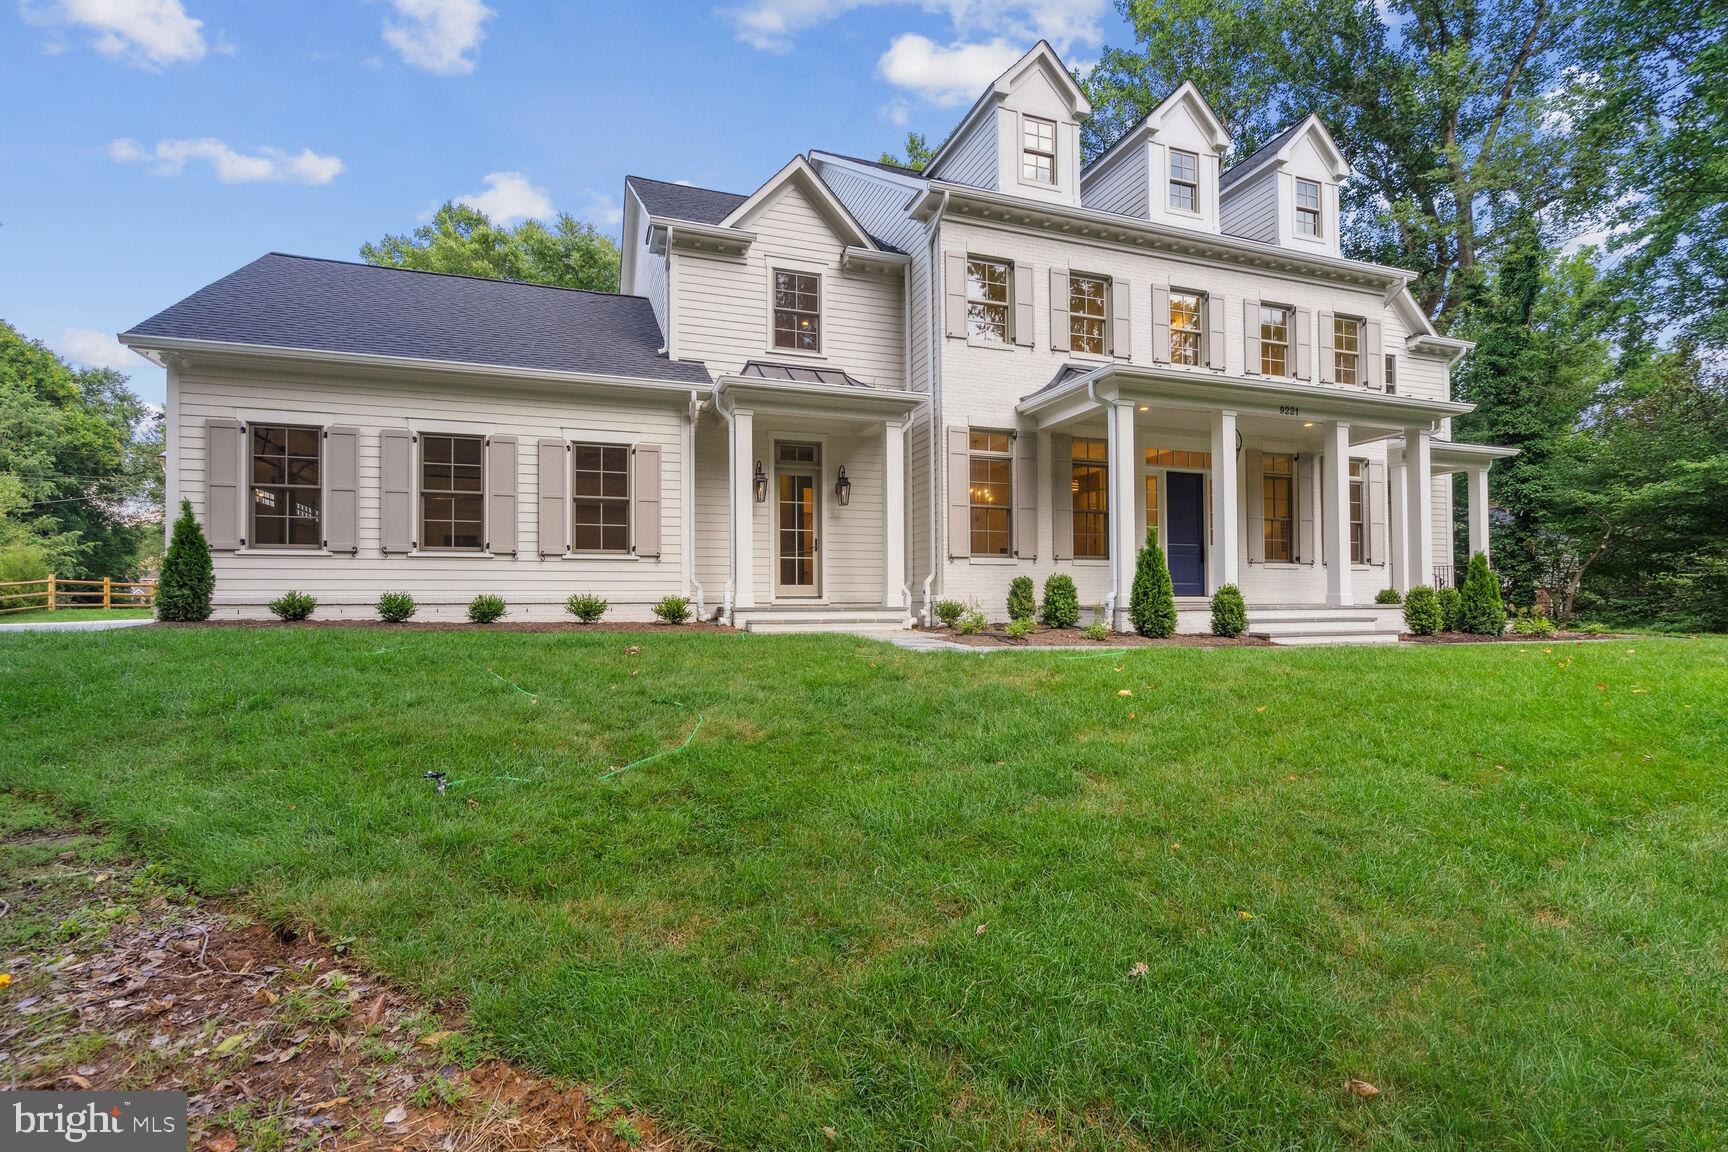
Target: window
x=1274, y=341
x=1391, y=373
x=1184, y=180
x=1307, y=208
x=797, y=311
x=992, y=493
x=1086, y=313
x=1184, y=328
x=1038, y=150
x=600, y=515
x=1277, y=494
x=1347, y=350
x=987, y=300
x=1091, y=495
x=1358, y=508
x=287, y=487
x=452, y=491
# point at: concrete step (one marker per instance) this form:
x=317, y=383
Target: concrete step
x=1309, y=639
x=853, y=620
x=1295, y=625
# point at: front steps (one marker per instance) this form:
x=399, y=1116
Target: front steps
x=1372, y=624
x=858, y=619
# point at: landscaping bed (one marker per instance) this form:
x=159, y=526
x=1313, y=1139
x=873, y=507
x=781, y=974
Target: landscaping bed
x=463, y=625
x=995, y=637
x=1507, y=637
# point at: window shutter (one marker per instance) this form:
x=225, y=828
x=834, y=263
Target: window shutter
x=1256, y=509
x=342, y=488
x=1214, y=306
x=1062, y=499
x=1376, y=495
x=1328, y=350
x=1375, y=377
x=1024, y=325
x=554, y=468
x=1305, y=546
x=396, y=490
x=224, y=448
x=645, y=499
x=1121, y=320
x=1026, y=495
x=1251, y=337
x=959, y=493
x=1059, y=309
x=1302, y=348
x=502, y=479
x=954, y=292
x=1160, y=324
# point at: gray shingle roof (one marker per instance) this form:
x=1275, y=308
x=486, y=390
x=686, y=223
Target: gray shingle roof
x=1243, y=165
x=282, y=301
x=684, y=201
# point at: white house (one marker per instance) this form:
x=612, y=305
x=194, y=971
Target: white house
x=852, y=392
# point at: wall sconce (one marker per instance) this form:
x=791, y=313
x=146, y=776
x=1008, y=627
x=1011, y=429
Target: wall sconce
x=843, y=488
x=759, y=484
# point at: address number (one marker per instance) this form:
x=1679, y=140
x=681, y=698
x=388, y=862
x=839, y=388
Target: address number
x=1289, y=410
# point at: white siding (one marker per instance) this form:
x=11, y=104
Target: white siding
x=1250, y=208
x=647, y=271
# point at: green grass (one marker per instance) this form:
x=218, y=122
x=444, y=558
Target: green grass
x=903, y=895
x=67, y=615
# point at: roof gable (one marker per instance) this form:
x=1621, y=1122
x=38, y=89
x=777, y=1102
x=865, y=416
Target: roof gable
x=1278, y=149
x=799, y=173
x=1185, y=98
x=1040, y=56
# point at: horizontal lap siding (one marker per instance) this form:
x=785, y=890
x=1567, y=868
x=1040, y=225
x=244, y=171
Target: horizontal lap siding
x=1121, y=187
x=850, y=538
x=1251, y=210
x=713, y=515
x=973, y=160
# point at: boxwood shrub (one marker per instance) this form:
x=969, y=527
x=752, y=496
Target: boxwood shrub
x=1061, y=607
x=1422, y=611
x=395, y=607
x=485, y=608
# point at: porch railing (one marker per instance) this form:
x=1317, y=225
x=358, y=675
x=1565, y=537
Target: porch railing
x=1445, y=576
x=56, y=592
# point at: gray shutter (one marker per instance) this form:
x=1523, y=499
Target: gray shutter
x=224, y=448
x=341, y=488
x=554, y=468
x=645, y=499
x=1059, y=309
x=1376, y=543
x=1251, y=337
x=1375, y=377
x=1062, y=499
x=1302, y=347
x=1160, y=324
x=959, y=493
x=1121, y=320
x=1024, y=325
x=396, y=490
x=1026, y=495
x=1328, y=349
x=502, y=479
x=954, y=292
x=1305, y=545
x=1256, y=509
x=1214, y=306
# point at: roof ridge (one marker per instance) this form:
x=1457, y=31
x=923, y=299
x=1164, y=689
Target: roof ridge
x=451, y=275
x=676, y=184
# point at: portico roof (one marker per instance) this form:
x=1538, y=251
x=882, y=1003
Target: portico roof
x=827, y=393
x=1451, y=456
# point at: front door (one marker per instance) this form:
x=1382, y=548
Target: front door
x=797, y=511
x=1185, y=532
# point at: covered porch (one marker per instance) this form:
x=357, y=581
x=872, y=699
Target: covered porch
x=1446, y=459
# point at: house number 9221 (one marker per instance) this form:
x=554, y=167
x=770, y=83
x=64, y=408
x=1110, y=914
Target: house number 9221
x=1289, y=410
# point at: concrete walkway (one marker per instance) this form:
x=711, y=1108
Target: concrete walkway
x=76, y=625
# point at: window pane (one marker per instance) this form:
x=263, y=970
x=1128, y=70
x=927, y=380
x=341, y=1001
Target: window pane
x=1307, y=194
x=1183, y=165
x=989, y=441
x=287, y=493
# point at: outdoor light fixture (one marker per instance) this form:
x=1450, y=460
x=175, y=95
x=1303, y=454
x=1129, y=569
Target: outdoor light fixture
x=843, y=488
x=760, y=484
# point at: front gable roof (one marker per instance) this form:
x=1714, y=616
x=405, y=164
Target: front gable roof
x=1186, y=94
x=1041, y=56
x=1278, y=149
x=799, y=173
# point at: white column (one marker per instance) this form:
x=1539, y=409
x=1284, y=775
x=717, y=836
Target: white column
x=743, y=459
x=893, y=512
x=1125, y=536
x=1419, y=481
x=1478, y=511
x=1400, y=550
x=1222, y=565
x=1335, y=514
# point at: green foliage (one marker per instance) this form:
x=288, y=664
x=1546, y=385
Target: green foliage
x=673, y=609
x=971, y=623
x=1533, y=623
x=1097, y=630
x=1480, y=610
x=484, y=609
x=1020, y=628
x=18, y=563
x=462, y=240
x=1022, y=598
x=183, y=589
x=586, y=607
x=1061, y=607
x=293, y=606
x=1152, y=605
x=1229, y=612
x=949, y=612
x=395, y=607
x=1451, y=609
x=918, y=153
x=1422, y=611
x=1388, y=596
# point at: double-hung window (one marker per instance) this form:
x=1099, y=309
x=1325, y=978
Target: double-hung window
x=1184, y=180
x=600, y=487
x=1091, y=498
x=1086, y=313
x=1274, y=341
x=987, y=300
x=287, y=487
x=797, y=311
x=1391, y=373
x=992, y=487
x=1278, y=502
x=1358, y=512
x=1347, y=350
x=1038, y=150
x=1307, y=208
x=1185, y=328
x=452, y=491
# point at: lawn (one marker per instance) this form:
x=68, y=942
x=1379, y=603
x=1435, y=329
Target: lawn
x=935, y=900
x=68, y=615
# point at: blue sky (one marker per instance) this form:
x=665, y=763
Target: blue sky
x=155, y=145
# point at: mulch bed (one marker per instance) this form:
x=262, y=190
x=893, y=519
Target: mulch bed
x=994, y=637
x=1508, y=638
x=465, y=626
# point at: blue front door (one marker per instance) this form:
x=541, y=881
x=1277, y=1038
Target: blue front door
x=1185, y=531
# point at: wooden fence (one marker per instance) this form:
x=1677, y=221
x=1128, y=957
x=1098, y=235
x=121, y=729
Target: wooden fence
x=55, y=592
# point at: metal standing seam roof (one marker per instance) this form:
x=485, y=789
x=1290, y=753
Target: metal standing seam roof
x=768, y=370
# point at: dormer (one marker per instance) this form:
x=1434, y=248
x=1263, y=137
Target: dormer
x=1286, y=193
x=1166, y=168
x=1022, y=137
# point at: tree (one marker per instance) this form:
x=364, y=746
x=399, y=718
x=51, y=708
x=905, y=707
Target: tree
x=187, y=580
x=918, y=153
x=1479, y=607
x=1152, y=602
x=462, y=240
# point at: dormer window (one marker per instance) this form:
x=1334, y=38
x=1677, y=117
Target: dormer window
x=1038, y=150
x=1184, y=181
x=797, y=311
x=1307, y=208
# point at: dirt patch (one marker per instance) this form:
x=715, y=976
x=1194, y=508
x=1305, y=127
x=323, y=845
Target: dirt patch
x=994, y=637
x=465, y=626
x=110, y=979
x=1508, y=638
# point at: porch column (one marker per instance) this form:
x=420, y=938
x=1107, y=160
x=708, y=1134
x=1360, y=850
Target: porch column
x=893, y=512
x=1396, y=496
x=1478, y=511
x=1335, y=514
x=1419, y=480
x=1222, y=568
x=1124, y=539
x=742, y=454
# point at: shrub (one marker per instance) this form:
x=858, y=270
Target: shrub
x=586, y=607
x=1388, y=596
x=484, y=609
x=1481, y=611
x=1533, y=625
x=293, y=606
x=1061, y=608
x=949, y=612
x=971, y=623
x=183, y=590
x=1152, y=603
x=1021, y=627
x=1451, y=609
x=395, y=607
x=19, y=563
x=1229, y=613
x=1422, y=611
x=1096, y=631
x=673, y=609
x=1022, y=600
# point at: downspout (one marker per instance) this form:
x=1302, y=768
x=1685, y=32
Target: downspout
x=935, y=408
x=690, y=416
x=731, y=545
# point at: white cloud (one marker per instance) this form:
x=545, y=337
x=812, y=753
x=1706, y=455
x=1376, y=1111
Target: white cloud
x=438, y=35
x=509, y=197
x=949, y=75
x=146, y=33
x=266, y=165
x=897, y=112
x=602, y=211
x=771, y=25
x=94, y=348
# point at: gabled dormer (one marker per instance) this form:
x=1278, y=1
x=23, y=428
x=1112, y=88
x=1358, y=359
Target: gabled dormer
x=1166, y=168
x=1022, y=137
x=1286, y=192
